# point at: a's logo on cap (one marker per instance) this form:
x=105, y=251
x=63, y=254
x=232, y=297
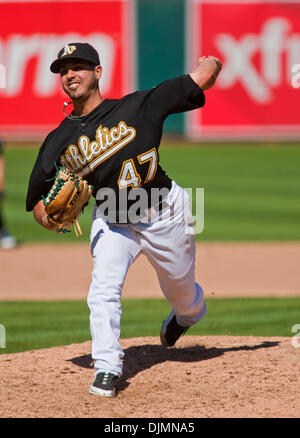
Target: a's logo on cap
x=68, y=50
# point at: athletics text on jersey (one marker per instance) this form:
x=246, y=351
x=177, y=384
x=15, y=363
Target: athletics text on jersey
x=116, y=145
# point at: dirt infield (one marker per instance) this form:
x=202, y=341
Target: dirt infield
x=215, y=377
x=203, y=377
x=222, y=269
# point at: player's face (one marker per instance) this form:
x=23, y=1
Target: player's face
x=79, y=79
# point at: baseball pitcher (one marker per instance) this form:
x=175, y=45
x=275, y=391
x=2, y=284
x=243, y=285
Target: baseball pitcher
x=109, y=149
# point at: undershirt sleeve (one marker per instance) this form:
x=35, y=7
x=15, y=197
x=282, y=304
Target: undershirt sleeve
x=173, y=96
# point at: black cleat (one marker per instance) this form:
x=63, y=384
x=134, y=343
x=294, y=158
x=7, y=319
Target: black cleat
x=104, y=384
x=171, y=331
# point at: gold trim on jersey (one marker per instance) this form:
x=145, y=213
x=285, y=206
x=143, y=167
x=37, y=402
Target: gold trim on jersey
x=128, y=176
x=151, y=156
x=87, y=155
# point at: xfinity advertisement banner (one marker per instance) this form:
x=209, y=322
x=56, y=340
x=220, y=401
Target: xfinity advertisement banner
x=257, y=93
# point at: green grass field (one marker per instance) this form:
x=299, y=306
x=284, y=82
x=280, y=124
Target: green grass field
x=251, y=192
x=35, y=325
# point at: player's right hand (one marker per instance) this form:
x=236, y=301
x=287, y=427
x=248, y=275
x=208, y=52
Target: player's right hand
x=206, y=73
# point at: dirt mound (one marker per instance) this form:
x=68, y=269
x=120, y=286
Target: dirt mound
x=203, y=377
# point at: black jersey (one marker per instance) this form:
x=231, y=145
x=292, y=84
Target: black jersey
x=116, y=144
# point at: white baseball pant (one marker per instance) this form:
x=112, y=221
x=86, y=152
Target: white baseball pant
x=169, y=249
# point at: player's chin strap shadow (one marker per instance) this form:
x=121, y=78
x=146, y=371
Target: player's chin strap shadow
x=70, y=115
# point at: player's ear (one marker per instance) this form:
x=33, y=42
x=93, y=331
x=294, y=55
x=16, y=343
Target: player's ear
x=98, y=71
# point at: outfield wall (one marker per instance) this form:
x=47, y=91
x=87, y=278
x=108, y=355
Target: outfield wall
x=143, y=42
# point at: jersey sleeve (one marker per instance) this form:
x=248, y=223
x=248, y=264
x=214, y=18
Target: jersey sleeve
x=38, y=184
x=172, y=96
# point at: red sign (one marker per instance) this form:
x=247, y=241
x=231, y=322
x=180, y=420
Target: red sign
x=259, y=43
x=31, y=35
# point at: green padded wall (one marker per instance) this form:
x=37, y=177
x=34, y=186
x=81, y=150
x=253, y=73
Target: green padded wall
x=160, y=47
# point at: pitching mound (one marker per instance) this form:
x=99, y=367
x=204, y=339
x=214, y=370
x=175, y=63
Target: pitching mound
x=203, y=377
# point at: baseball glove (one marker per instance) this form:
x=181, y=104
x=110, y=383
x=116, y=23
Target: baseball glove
x=66, y=200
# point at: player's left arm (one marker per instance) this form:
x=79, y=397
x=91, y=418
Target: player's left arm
x=207, y=71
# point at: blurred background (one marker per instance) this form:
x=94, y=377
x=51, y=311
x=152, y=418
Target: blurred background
x=144, y=42
x=242, y=147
